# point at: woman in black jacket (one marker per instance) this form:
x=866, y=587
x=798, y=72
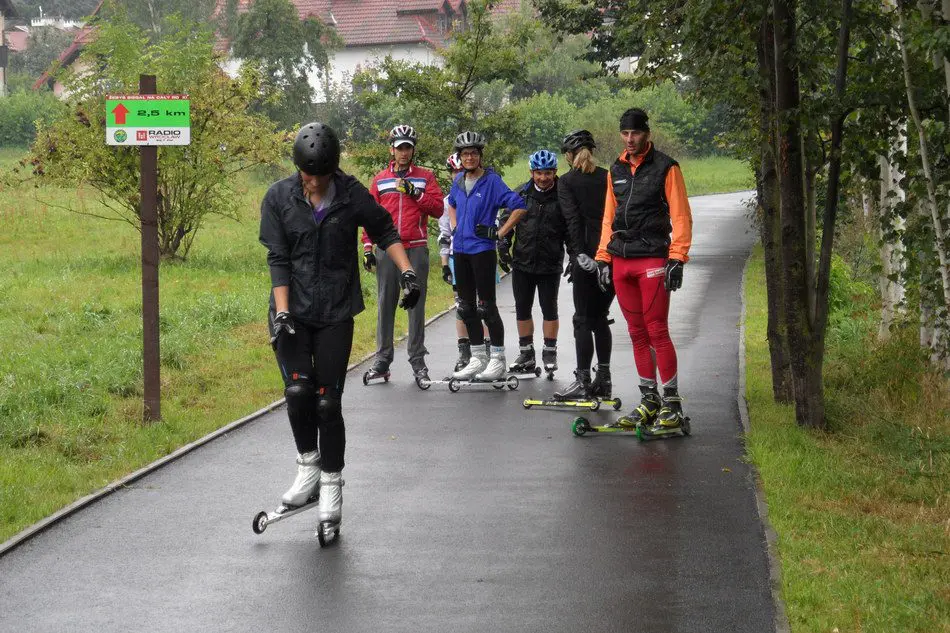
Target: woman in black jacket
x=581, y=193
x=536, y=261
x=309, y=224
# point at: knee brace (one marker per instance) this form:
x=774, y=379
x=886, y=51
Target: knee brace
x=301, y=400
x=466, y=311
x=581, y=324
x=329, y=407
x=488, y=312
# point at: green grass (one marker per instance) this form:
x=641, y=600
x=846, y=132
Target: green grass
x=70, y=354
x=714, y=174
x=862, y=511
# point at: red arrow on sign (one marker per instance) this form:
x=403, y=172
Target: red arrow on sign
x=120, y=111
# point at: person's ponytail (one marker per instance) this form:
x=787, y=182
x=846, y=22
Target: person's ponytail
x=583, y=160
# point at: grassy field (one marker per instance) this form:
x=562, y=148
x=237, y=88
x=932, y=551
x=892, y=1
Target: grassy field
x=70, y=354
x=863, y=511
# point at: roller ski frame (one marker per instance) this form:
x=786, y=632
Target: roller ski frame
x=455, y=384
x=327, y=531
x=368, y=378
x=593, y=403
x=581, y=426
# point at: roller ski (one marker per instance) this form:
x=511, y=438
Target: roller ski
x=303, y=495
x=549, y=360
x=421, y=376
x=379, y=371
x=650, y=420
x=484, y=370
x=525, y=365
x=579, y=395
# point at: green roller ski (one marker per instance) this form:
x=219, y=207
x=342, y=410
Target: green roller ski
x=580, y=427
x=593, y=404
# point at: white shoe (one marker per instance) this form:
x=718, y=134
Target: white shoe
x=331, y=497
x=477, y=363
x=496, y=366
x=307, y=482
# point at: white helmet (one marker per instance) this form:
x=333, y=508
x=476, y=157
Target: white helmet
x=402, y=134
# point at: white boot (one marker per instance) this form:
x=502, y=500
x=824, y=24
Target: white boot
x=331, y=497
x=307, y=482
x=477, y=363
x=496, y=366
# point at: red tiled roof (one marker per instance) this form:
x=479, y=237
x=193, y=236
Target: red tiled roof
x=18, y=41
x=68, y=56
x=370, y=22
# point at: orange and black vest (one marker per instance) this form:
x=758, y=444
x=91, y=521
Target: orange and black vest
x=641, y=226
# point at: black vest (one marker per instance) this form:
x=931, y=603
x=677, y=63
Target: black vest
x=641, y=225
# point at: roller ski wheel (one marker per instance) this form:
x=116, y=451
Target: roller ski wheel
x=328, y=532
x=423, y=383
x=373, y=375
x=580, y=427
x=263, y=519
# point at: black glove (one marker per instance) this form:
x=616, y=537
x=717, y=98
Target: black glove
x=369, y=260
x=447, y=274
x=282, y=323
x=674, y=275
x=569, y=271
x=410, y=289
x=504, y=255
x=445, y=240
x=603, y=276
x=406, y=187
x=486, y=231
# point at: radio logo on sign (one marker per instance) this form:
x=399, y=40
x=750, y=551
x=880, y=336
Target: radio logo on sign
x=141, y=135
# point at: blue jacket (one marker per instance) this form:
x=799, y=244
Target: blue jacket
x=489, y=195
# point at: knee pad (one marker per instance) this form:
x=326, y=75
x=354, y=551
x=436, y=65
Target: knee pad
x=581, y=324
x=488, y=312
x=300, y=395
x=466, y=311
x=329, y=407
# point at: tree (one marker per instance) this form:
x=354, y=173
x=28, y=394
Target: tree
x=288, y=50
x=70, y=9
x=44, y=47
x=193, y=181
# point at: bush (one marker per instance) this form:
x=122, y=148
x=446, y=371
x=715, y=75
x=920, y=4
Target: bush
x=602, y=119
x=544, y=120
x=19, y=114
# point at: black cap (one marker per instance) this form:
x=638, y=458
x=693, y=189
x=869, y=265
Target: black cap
x=317, y=149
x=635, y=119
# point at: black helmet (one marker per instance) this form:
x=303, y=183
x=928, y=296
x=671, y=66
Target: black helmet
x=469, y=139
x=402, y=134
x=576, y=140
x=317, y=149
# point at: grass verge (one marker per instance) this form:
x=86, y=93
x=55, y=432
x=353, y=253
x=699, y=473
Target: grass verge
x=862, y=512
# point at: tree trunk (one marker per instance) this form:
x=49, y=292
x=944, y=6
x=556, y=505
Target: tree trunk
x=811, y=227
x=771, y=221
x=930, y=203
x=890, y=229
x=806, y=378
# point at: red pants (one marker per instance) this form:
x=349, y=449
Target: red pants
x=645, y=303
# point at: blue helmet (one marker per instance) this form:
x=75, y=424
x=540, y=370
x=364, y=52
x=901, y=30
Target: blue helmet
x=542, y=159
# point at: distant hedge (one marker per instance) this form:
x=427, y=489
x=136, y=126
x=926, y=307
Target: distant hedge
x=19, y=113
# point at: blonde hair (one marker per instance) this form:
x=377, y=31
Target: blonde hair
x=582, y=160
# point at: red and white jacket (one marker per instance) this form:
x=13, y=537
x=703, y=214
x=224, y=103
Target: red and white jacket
x=410, y=215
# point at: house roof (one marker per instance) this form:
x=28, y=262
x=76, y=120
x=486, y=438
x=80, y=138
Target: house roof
x=68, y=56
x=374, y=22
x=18, y=40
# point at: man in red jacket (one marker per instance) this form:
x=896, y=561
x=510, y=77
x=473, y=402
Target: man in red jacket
x=412, y=195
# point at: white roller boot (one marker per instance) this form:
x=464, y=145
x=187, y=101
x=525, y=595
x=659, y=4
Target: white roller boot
x=478, y=362
x=495, y=370
x=307, y=484
x=330, y=507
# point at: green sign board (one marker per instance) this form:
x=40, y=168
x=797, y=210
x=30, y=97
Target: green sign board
x=148, y=120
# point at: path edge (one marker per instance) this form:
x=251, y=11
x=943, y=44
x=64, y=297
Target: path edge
x=40, y=526
x=780, y=620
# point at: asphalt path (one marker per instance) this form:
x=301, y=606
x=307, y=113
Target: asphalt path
x=462, y=512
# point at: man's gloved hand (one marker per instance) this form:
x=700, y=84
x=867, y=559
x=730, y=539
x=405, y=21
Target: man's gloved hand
x=504, y=254
x=569, y=271
x=369, y=260
x=445, y=240
x=586, y=263
x=486, y=231
x=406, y=187
x=282, y=323
x=447, y=275
x=674, y=275
x=603, y=276
x=410, y=289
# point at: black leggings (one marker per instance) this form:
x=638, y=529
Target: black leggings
x=315, y=358
x=591, y=307
x=523, y=285
x=475, y=277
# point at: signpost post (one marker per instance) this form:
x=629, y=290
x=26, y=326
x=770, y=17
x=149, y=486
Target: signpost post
x=149, y=120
